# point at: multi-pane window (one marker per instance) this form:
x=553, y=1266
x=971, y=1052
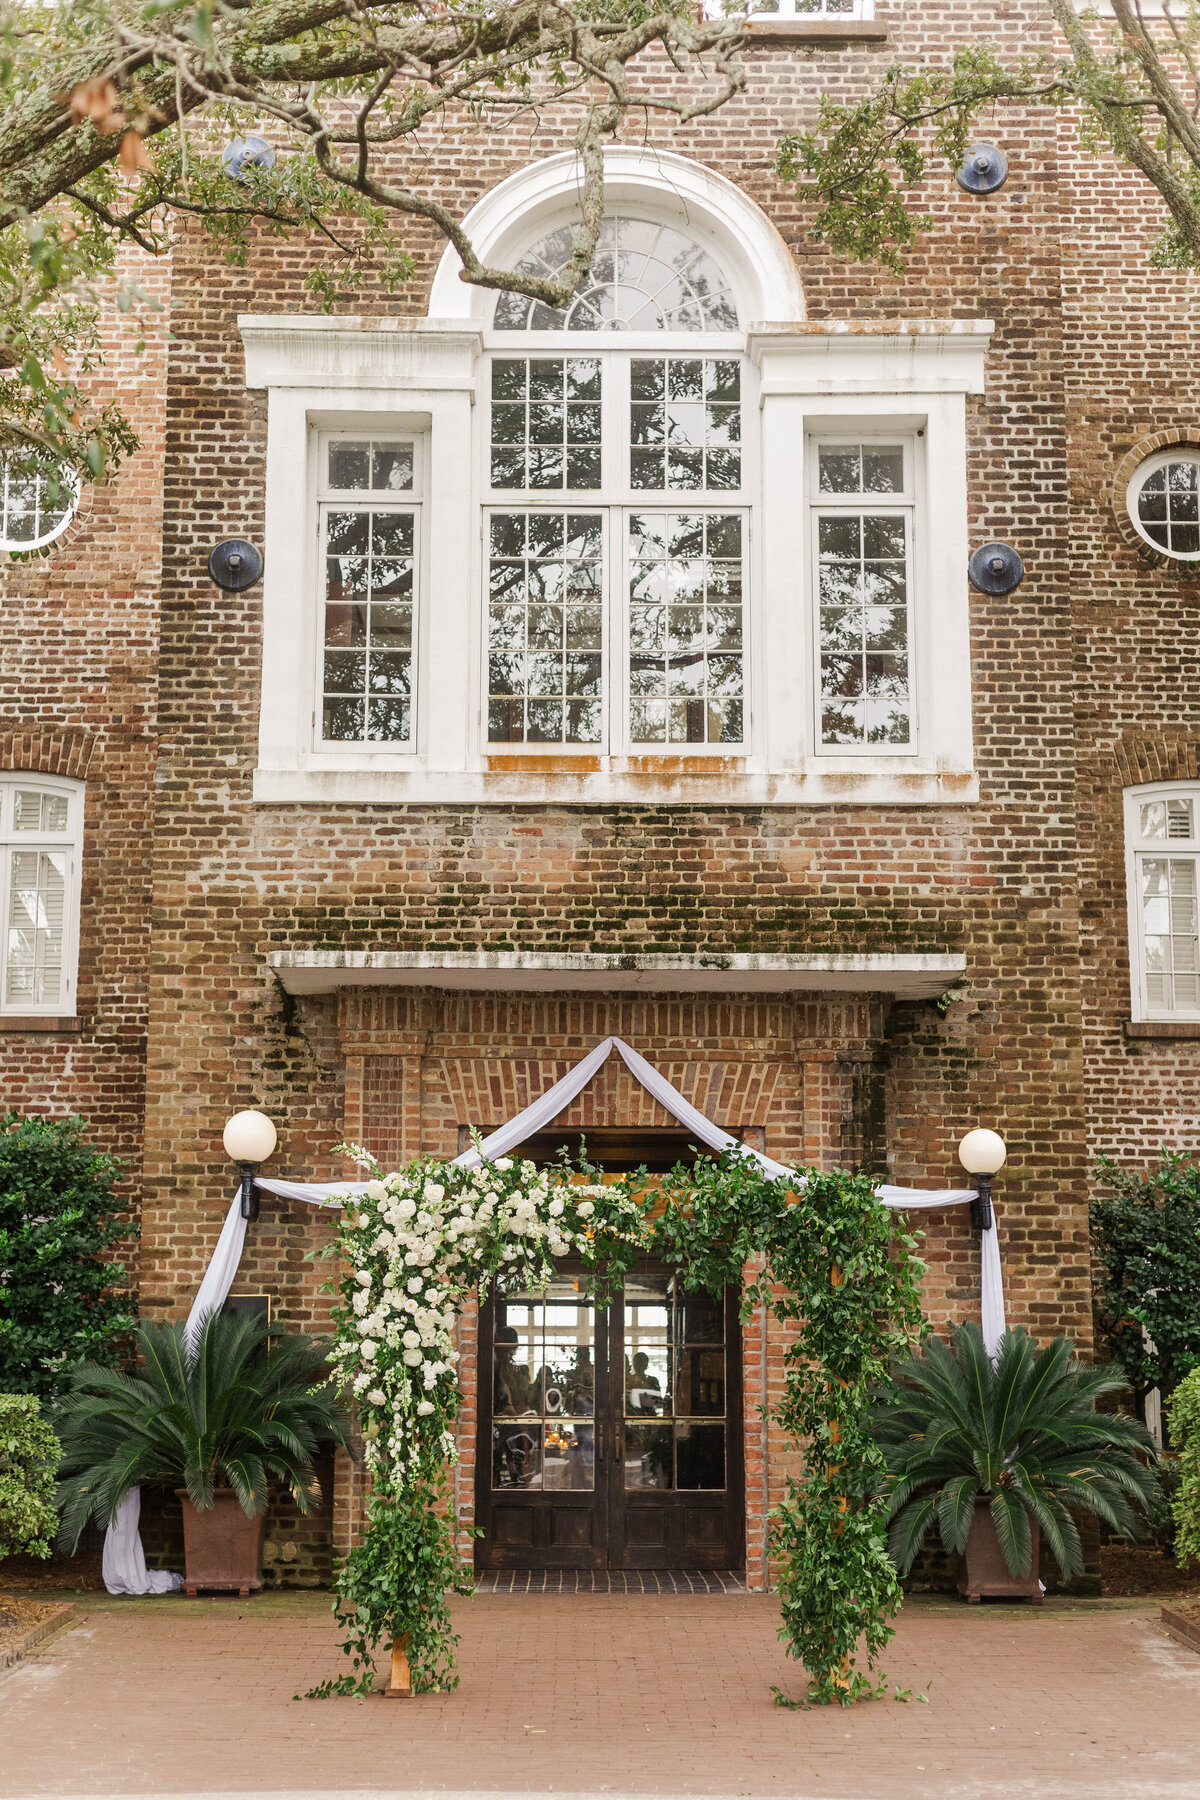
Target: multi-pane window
x=685, y=422
x=862, y=514
x=36, y=506
x=546, y=422
x=1164, y=853
x=622, y=624
x=370, y=531
x=39, y=889
x=644, y=277
x=686, y=676
x=545, y=627
x=1164, y=503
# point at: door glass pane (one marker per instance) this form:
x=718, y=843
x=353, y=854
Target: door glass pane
x=674, y=1371
x=543, y=1388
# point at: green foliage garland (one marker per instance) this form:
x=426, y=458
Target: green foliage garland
x=28, y=1454
x=1183, y=1416
x=60, y=1217
x=1146, y=1268
x=830, y=1264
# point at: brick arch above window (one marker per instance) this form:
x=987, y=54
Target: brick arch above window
x=64, y=750
x=1146, y=757
x=1146, y=447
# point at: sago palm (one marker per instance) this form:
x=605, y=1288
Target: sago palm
x=241, y=1406
x=1022, y=1433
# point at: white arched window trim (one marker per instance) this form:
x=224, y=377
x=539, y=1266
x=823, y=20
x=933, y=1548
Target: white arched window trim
x=804, y=382
x=654, y=184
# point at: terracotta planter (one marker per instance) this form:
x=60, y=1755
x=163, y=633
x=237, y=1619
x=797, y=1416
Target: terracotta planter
x=222, y=1547
x=985, y=1573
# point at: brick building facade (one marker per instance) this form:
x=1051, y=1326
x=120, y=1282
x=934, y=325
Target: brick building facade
x=270, y=920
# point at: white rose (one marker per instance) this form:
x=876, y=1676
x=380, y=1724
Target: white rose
x=503, y=1162
x=407, y=1208
x=368, y=1349
x=430, y=1374
x=424, y=1407
x=586, y=1209
x=410, y=1340
x=363, y=1276
x=556, y=1207
x=412, y=1358
x=376, y=1397
x=376, y=1191
x=434, y=1191
x=415, y=1284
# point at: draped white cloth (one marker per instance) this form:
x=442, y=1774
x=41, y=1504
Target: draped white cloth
x=125, y=1569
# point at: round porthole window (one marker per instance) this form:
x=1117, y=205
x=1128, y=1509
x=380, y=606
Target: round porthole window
x=1164, y=502
x=35, y=506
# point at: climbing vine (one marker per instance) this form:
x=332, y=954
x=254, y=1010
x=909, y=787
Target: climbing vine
x=825, y=1258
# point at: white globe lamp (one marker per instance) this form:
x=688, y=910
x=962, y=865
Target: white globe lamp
x=982, y=1154
x=249, y=1138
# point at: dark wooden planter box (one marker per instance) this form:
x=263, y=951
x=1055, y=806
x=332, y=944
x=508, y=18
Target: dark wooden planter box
x=985, y=1573
x=223, y=1549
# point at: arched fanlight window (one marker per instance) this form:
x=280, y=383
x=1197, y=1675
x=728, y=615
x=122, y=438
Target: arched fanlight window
x=644, y=277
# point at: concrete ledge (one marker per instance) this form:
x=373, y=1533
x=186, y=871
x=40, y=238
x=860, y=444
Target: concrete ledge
x=1180, y=1029
x=913, y=975
x=37, y=1634
x=1183, y=1629
x=825, y=32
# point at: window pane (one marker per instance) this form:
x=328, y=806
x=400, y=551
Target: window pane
x=860, y=468
x=35, y=506
x=686, y=674
x=699, y=1456
x=644, y=277
x=35, y=927
x=34, y=810
x=863, y=613
x=1170, y=931
x=1168, y=506
x=546, y=422
x=367, y=674
x=544, y=631
x=364, y=465
x=685, y=422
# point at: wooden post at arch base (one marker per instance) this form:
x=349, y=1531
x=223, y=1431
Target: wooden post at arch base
x=400, y=1685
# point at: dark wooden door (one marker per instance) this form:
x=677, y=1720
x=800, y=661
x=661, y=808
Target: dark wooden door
x=611, y=1437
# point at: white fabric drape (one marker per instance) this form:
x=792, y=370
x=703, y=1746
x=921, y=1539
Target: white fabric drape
x=124, y=1561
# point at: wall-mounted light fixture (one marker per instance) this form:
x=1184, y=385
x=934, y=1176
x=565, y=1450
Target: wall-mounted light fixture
x=982, y=1154
x=249, y=1138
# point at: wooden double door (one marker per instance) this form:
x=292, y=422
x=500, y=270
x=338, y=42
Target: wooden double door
x=610, y=1437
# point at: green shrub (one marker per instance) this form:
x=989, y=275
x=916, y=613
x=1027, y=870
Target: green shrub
x=1022, y=1433
x=28, y=1454
x=59, y=1219
x=247, y=1403
x=1184, y=1420
x=1146, y=1269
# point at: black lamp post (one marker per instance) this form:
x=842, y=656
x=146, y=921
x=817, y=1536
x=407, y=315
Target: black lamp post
x=249, y=1138
x=982, y=1154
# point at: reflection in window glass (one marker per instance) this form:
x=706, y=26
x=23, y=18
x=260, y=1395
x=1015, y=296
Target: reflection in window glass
x=685, y=422
x=546, y=423
x=1167, y=819
x=367, y=669
x=1169, y=924
x=544, y=628
x=863, y=591
x=644, y=277
x=674, y=1372
x=36, y=506
x=1168, y=506
x=367, y=466
x=543, y=1389
x=37, y=887
x=686, y=675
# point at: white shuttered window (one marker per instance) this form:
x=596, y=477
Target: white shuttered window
x=39, y=893
x=1162, y=827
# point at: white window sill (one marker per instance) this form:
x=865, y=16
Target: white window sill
x=874, y=781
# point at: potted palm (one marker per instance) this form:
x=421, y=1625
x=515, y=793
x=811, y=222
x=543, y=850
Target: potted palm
x=217, y=1417
x=1001, y=1454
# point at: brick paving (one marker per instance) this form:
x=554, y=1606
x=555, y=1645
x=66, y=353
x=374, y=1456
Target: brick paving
x=613, y=1694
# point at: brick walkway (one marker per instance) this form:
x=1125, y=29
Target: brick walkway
x=612, y=1694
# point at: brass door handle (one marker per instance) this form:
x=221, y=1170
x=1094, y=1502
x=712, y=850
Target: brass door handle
x=618, y=1434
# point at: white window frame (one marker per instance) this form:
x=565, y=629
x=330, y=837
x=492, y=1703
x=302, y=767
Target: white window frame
x=1177, y=453
x=327, y=499
x=617, y=500
x=791, y=10
x=1136, y=849
x=70, y=843
x=69, y=483
x=910, y=504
